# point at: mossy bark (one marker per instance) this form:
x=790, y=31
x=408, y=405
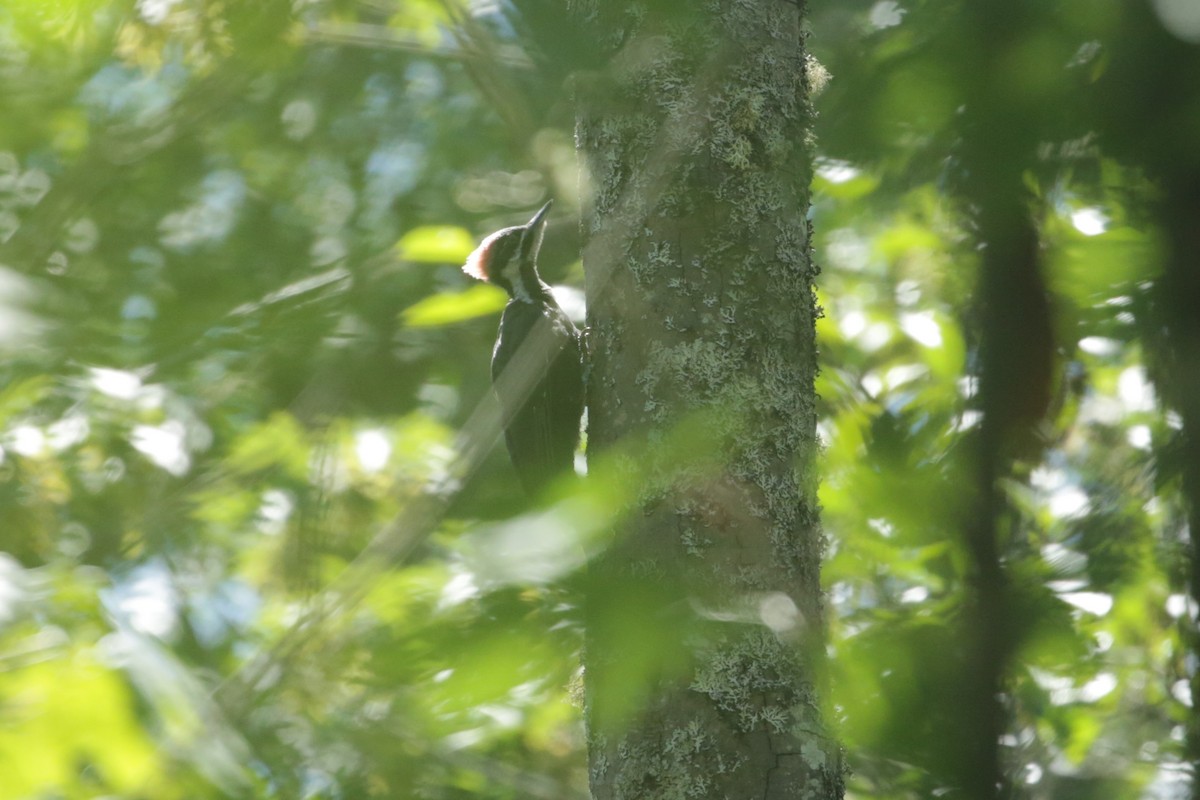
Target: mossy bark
x=705, y=615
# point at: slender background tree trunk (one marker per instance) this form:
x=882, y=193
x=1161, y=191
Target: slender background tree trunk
x=705, y=620
x=1160, y=137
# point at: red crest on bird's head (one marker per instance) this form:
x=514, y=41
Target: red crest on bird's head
x=496, y=251
x=480, y=259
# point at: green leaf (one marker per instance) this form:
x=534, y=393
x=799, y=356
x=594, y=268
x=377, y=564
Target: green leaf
x=280, y=442
x=436, y=244
x=24, y=394
x=64, y=713
x=852, y=185
x=450, y=307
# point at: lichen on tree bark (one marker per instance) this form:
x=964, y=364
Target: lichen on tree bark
x=705, y=619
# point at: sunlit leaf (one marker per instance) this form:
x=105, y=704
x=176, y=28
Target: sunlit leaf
x=436, y=244
x=850, y=187
x=447, y=308
x=280, y=443
x=65, y=713
x=23, y=395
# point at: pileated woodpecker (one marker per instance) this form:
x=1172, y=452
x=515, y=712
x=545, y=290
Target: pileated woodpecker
x=537, y=364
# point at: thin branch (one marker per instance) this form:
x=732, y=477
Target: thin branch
x=359, y=34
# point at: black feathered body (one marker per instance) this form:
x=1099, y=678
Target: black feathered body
x=537, y=366
x=543, y=400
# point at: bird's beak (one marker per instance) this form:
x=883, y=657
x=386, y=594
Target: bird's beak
x=540, y=215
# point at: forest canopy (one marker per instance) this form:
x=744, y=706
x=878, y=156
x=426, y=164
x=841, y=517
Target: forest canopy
x=257, y=538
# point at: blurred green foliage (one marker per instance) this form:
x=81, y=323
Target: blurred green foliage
x=249, y=544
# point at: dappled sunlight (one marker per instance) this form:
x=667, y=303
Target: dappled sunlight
x=259, y=533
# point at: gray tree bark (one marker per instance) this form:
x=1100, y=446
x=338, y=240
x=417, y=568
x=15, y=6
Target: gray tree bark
x=705, y=614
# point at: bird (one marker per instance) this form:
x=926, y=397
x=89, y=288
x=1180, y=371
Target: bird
x=537, y=362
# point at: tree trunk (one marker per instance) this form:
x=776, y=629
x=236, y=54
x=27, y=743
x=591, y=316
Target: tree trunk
x=705, y=618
